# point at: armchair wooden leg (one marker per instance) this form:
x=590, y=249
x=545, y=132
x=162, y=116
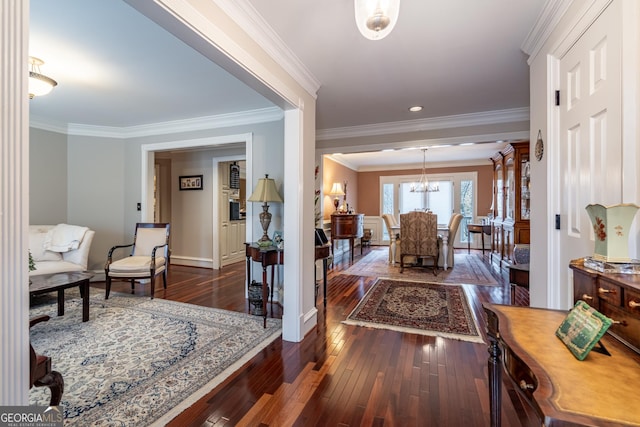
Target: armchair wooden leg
x=54, y=381
x=107, y=286
x=164, y=278
x=153, y=284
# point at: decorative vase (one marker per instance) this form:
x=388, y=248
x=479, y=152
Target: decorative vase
x=611, y=226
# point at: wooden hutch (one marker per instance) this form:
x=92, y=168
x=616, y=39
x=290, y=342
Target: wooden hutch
x=511, y=207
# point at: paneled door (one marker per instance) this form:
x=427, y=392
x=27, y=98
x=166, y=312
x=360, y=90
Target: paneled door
x=590, y=155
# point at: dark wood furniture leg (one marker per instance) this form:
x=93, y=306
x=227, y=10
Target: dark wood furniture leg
x=265, y=293
x=60, y=302
x=324, y=279
x=84, y=290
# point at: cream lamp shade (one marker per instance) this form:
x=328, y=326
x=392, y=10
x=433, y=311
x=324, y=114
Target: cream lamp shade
x=336, y=191
x=265, y=192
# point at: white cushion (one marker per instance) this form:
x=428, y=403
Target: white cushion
x=38, y=252
x=51, y=267
x=148, y=238
x=133, y=264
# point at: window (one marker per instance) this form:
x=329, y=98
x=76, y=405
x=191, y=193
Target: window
x=457, y=194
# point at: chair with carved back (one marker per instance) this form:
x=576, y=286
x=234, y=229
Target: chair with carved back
x=149, y=257
x=40, y=372
x=419, y=231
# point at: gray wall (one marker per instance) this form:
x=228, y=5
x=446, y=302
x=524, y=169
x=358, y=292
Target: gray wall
x=97, y=183
x=47, y=177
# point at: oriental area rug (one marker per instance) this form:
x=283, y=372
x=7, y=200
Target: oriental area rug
x=419, y=308
x=468, y=269
x=141, y=361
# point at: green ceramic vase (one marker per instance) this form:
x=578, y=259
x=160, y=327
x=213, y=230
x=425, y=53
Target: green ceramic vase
x=611, y=226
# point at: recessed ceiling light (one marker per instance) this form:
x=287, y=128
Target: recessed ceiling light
x=415, y=108
x=468, y=143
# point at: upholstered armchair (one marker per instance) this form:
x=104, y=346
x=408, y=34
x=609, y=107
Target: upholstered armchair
x=419, y=231
x=394, y=237
x=149, y=257
x=454, y=225
x=40, y=372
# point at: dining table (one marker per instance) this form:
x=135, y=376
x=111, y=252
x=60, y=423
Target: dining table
x=443, y=231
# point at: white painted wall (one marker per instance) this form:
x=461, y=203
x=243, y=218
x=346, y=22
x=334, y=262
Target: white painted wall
x=567, y=24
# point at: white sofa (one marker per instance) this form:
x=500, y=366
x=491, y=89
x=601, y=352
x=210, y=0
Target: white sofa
x=73, y=257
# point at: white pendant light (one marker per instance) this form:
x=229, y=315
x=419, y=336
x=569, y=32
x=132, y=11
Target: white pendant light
x=39, y=84
x=376, y=18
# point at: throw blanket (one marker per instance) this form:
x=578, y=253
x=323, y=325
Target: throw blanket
x=64, y=238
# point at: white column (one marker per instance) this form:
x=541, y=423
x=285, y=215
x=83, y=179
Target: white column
x=14, y=203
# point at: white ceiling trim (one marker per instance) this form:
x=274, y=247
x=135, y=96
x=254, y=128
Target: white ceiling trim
x=457, y=140
x=263, y=115
x=408, y=166
x=445, y=122
x=548, y=19
x=246, y=16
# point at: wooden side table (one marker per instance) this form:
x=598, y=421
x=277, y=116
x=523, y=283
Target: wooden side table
x=266, y=256
x=347, y=226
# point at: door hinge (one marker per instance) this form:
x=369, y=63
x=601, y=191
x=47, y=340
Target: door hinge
x=557, y=98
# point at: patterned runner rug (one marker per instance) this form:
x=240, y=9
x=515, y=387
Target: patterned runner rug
x=418, y=308
x=138, y=361
x=468, y=269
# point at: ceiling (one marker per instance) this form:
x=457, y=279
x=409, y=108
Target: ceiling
x=117, y=69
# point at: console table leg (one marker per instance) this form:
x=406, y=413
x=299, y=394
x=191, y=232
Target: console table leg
x=495, y=383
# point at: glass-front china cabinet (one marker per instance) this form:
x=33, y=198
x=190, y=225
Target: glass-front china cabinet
x=512, y=183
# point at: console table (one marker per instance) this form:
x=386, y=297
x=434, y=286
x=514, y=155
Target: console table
x=600, y=390
x=481, y=229
x=347, y=226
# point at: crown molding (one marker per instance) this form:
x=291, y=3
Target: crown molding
x=247, y=17
x=460, y=120
x=550, y=15
x=263, y=115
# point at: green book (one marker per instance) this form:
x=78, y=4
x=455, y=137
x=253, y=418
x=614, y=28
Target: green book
x=582, y=329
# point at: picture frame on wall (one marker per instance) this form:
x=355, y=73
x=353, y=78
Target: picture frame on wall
x=190, y=182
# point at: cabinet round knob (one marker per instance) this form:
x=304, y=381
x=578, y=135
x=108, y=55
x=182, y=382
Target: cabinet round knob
x=526, y=386
x=634, y=304
x=586, y=297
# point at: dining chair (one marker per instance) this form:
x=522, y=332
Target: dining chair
x=149, y=257
x=394, y=237
x=419, y=231
x=454, y=225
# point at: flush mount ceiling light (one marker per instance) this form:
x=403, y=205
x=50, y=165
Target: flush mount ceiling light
x=376, y=18
x=39, y=84
x=415, y=108
x=423, y=186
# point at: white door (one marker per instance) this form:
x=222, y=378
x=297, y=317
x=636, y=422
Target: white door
x=590, y=155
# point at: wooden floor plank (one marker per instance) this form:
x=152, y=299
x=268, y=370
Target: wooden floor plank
x=343, y=375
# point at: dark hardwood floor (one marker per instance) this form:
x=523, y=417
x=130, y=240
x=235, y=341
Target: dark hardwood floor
x=342, y=375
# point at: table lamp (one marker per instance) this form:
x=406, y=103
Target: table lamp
x=265, y=192
x=336, y=191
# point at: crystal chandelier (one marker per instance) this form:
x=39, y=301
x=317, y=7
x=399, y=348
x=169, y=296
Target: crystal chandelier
x=424, y=186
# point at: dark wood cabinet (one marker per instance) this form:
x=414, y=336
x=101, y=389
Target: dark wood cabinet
x=512, y=208
x=347, y=226
x=617, y=296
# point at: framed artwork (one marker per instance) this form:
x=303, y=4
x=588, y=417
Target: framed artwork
x=191, y=182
